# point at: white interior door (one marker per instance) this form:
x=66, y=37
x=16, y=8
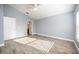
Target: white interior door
x=9, y=28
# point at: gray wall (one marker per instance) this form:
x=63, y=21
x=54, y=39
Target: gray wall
x=1, y=24
x=20, y=19
x=59, y=26
x=34, y=26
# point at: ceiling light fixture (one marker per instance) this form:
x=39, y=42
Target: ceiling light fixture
x=35, y=7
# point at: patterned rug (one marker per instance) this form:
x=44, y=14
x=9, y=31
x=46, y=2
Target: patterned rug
x=36, y=43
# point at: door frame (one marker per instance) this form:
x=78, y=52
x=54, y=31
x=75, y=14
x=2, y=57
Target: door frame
x=26, y=26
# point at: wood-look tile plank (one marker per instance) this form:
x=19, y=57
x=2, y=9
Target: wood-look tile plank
x=59, y=47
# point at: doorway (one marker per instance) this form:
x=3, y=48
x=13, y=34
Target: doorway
x=29, y=28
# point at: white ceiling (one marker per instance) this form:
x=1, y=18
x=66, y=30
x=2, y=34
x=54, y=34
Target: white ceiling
x=44, y=10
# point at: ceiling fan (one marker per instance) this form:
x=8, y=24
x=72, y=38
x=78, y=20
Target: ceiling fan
x=32, y=7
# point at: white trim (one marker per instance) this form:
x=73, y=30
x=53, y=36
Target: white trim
x=1, y=44
x=17, y=37
x=60, y=38
x=34, y=33
x=66, y=39
x=76, y=46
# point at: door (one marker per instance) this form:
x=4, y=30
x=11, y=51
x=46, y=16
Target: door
x=9, y=28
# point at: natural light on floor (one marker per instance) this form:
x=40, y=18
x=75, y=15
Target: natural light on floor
x=36, y=43
x=25, y=40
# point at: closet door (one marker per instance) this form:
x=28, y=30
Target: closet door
x=9, y=28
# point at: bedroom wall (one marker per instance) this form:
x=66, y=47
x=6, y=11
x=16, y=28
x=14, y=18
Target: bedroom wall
x=34, y=26
x=1, y=25
x=59, y=26
x=20, y=19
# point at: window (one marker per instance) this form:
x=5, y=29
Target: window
x=77, y=25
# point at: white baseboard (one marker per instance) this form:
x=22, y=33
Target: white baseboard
x=34, y=33
x=60, y=39
x=19, y=36
x=66, y=39
x=1, y=44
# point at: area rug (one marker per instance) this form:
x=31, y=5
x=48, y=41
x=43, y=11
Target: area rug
x=25, y=40
x=42, y=45
x=39, y=44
